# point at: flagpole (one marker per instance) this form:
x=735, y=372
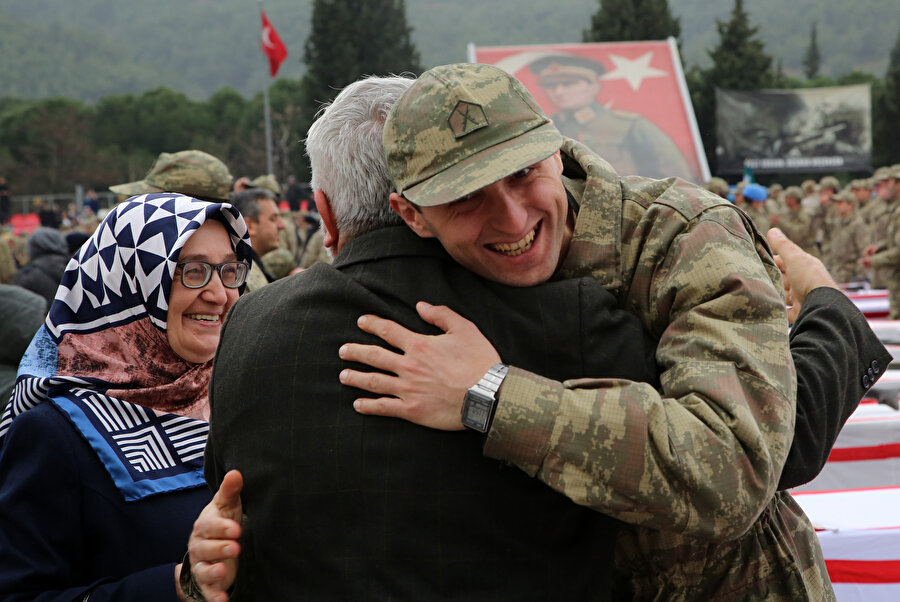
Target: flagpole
x=268, y=116
x=268, y=130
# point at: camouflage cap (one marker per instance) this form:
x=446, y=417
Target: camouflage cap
x=718, y=186
x=809, y=186
x=881, y=174
x=794, y=192
x=268, y=182
x=190, y=172
x=895, y=171
x=776, y=187
x=460, y=128
x=844, y=195
x=830, y=182
x=862, y=184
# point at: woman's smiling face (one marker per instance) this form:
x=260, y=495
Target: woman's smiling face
x=194, y=320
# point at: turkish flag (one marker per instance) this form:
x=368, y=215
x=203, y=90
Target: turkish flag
x=272, y=45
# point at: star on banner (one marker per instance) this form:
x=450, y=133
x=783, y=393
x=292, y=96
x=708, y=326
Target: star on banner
x=633, y=71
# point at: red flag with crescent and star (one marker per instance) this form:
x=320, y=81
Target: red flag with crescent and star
x=272, y=45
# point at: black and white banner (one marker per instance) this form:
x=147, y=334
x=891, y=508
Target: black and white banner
x=802, y=130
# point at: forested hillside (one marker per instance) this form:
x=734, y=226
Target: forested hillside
x=87, y=49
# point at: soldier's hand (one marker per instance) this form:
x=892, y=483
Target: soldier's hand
x=428, y=380
x=802, y=272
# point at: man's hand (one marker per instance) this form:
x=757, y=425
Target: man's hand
x=866, y=259
x=430, y=376
x=213, y=545
x=802, y=272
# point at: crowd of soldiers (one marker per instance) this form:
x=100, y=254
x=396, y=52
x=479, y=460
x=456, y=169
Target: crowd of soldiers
x=853, y=229
x=61, y=233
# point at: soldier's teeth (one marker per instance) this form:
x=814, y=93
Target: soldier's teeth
x=516, y=248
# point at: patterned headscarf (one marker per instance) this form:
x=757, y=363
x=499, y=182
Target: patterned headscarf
x=103, y=357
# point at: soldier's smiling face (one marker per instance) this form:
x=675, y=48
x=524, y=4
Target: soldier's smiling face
x=514, y=231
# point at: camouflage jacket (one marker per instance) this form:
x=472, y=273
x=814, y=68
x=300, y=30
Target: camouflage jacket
x=692, y=468
x=888, y=256
x=848, y=239
x=797, y=225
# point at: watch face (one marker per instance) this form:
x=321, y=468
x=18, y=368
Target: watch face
x=477, y=410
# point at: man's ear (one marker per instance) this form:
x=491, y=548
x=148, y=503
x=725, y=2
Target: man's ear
x=329, y=225
x=410, y=215
x=559, y=163
x=252, y=227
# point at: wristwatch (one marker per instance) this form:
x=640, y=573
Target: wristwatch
x=481, y=399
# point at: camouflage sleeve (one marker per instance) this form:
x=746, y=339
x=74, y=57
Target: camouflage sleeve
x=888, y=254
x=703, y=456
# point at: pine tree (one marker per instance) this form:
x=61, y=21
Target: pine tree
x=739, y=63
x=632, y=20
x=812, y=59
x=349, y=39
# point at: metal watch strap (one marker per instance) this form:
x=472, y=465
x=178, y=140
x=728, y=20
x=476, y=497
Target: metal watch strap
x=481, y=399
x=188, y=584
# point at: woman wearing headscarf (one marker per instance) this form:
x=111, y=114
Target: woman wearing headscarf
x=101, y=447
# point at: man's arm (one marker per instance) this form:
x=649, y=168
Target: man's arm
x=702, y=458
x=833, y=349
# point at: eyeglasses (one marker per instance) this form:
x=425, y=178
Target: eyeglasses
x=196, y=274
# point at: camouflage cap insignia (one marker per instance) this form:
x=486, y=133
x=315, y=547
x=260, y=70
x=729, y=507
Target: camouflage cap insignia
x=466, y=118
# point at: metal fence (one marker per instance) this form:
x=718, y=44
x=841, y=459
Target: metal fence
x=24, y=203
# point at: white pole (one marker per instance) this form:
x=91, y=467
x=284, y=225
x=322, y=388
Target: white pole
x=268, y=117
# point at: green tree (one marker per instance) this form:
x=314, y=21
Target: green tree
x=48, y=142
x=352, y=38
x=812, y=59
x=632, y=20
x=349, y=39
x=886, y=118
x=739, y=62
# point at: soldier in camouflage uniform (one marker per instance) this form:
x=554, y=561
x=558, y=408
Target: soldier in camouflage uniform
x=795, y=221
x=756, y=207
x=191, y=172
x=849, y=238
x=693, y=468
x=884, y=254
x=862, y=190
x=718, y=186
x=823, y=215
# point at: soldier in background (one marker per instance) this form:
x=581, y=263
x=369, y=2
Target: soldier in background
x=823, y=215
x=810, y=199
x=881, y=216
x=718, y=186
x=862, y=190
x=849, y=238
x=757, y=195
x=629, y=141
x=775, y=202
x=190, y=172
x=795, y=221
